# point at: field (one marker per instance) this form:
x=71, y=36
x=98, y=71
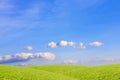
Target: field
x=60, y=72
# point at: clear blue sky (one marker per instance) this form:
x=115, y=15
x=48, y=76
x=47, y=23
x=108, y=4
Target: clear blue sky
x=36, y=23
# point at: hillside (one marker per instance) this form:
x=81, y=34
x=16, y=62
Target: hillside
x=60, y=72
x=17, y=73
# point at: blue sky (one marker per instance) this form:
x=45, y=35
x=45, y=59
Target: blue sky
x=42, y=26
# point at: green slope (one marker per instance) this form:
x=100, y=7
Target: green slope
x=17, y=73
x=107, y=72
x=60, y=72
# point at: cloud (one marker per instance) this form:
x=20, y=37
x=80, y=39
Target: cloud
x=28, y=48
x=62, y=43
x=70, y=61
x=71, y=43
x=66, y=43
x=52, y=44
x=81, y=46
x=27, y=56
x=96, y=43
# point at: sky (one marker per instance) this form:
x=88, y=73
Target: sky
x=35, y=32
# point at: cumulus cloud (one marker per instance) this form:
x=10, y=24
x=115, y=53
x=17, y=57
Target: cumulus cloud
x=52, y=44
x=81, y=46
x=70, y=62
x=71, y=43
x=28, y=48
x=96, y=43
x=27, y=56
x=62, y=43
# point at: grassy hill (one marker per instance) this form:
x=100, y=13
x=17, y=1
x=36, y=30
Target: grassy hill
x=60, y=72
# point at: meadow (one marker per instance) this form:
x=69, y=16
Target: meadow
x=60, y=72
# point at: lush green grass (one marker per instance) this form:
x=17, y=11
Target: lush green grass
x=17, y=73
x=60, y=72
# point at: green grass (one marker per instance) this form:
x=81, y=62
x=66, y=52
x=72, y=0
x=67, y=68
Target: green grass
x=60, y=72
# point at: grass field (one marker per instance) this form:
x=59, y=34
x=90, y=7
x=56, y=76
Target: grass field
x=60, y=72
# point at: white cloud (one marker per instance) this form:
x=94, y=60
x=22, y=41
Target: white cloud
x=46, y=56
x=81, y=46
x=63, y=43
x=96, y=43
x=52, y=45
x=7, y=57
x=71, y=43
x=70, y=62
x=28, y=48
x=24, y=56
x=27, y=56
